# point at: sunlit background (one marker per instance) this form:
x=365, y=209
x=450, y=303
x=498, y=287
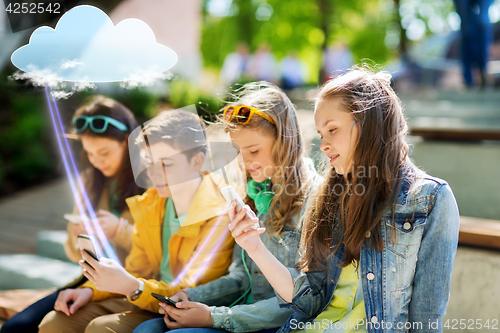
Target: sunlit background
x=455, y=130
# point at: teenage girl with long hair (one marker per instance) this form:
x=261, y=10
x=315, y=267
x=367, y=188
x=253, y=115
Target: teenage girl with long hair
x=375, y=214
x=102, y=125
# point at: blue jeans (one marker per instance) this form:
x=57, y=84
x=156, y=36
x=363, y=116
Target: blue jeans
x=158, y=326
x=27, y=321
x=152, y=326
x=477, y=35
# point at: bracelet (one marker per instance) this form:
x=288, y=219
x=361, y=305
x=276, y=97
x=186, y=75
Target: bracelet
x=119, y=227
x=189, y=298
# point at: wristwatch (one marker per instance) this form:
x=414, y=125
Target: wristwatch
x=135, y=295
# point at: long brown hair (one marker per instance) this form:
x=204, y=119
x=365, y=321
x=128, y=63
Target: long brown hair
x=346, y=216
x=94, y=180
x=288, y=150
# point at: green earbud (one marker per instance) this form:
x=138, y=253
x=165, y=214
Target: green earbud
x=261, y=194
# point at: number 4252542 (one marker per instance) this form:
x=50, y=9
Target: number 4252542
x=471, y=324
x=33, y=8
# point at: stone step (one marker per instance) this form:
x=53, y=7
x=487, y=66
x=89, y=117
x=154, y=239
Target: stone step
x=50, y=244
x=28, y=271
x=25, y=213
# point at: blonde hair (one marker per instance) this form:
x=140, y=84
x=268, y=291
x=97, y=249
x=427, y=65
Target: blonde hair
x=287, y=152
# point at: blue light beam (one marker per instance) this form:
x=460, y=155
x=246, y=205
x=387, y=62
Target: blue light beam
x=97, y=227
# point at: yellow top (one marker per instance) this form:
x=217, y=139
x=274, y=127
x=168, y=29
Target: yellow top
x=346, y=312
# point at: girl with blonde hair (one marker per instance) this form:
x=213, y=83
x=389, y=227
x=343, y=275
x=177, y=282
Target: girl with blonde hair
x=263, y=122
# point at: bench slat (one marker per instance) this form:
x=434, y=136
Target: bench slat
x=456, y=134
x=14, y=301
x=479, y=232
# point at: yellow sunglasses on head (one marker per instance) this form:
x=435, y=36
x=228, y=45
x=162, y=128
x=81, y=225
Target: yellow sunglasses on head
x=243, y=114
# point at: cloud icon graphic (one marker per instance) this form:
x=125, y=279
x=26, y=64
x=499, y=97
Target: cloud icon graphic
x=86, y=46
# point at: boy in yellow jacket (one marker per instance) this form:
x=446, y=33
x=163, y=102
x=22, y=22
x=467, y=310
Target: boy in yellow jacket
x=180, y=237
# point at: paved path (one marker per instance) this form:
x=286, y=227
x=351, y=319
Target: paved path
x=308, y=128
x=24, y=214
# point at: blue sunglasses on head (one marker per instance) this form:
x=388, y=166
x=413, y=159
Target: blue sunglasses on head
x=98, y=124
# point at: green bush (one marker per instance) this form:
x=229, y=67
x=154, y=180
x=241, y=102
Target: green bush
x=1, y=171
x=183, y=93
x=141, y=102
x=25, y=141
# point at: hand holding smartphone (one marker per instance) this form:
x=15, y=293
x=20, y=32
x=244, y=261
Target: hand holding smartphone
x=231, y=195
x=87, y=244
x=74, y=218
x=164, y=299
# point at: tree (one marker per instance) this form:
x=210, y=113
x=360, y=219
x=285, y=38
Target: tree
x=307, y=26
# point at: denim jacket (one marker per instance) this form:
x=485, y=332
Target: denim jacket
x=405, y=286
x=265, y=311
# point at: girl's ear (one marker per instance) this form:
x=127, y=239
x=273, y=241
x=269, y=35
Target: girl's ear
x=125, y=142
x=197, y=161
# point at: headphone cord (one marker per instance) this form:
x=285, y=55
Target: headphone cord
x=249, y=276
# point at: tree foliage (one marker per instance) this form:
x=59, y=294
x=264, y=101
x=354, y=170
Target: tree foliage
x=297, y=25
x=373, y=29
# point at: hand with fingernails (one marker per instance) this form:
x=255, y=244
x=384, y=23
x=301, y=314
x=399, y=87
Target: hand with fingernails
x=179, y=296
x=70, y=300
x=108, y=275
x=107, y=221
x=242, y=231
x=275, y=272
x=186, y=314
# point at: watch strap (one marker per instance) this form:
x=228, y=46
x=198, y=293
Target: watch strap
x=135, y=295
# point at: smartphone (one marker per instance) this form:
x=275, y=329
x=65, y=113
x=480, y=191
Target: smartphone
x=231, y=195
x=74, y=218
x=163, y=299
x=87, y=244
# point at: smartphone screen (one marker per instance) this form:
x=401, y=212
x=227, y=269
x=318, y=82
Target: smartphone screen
x=87, y=244
x=230, y=194
x=163, y=299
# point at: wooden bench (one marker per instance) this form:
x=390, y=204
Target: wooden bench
x=455, y=134
x=14, y=301
x=455, y=129
x=479, y=232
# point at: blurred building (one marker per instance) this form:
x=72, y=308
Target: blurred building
x=176, y=24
